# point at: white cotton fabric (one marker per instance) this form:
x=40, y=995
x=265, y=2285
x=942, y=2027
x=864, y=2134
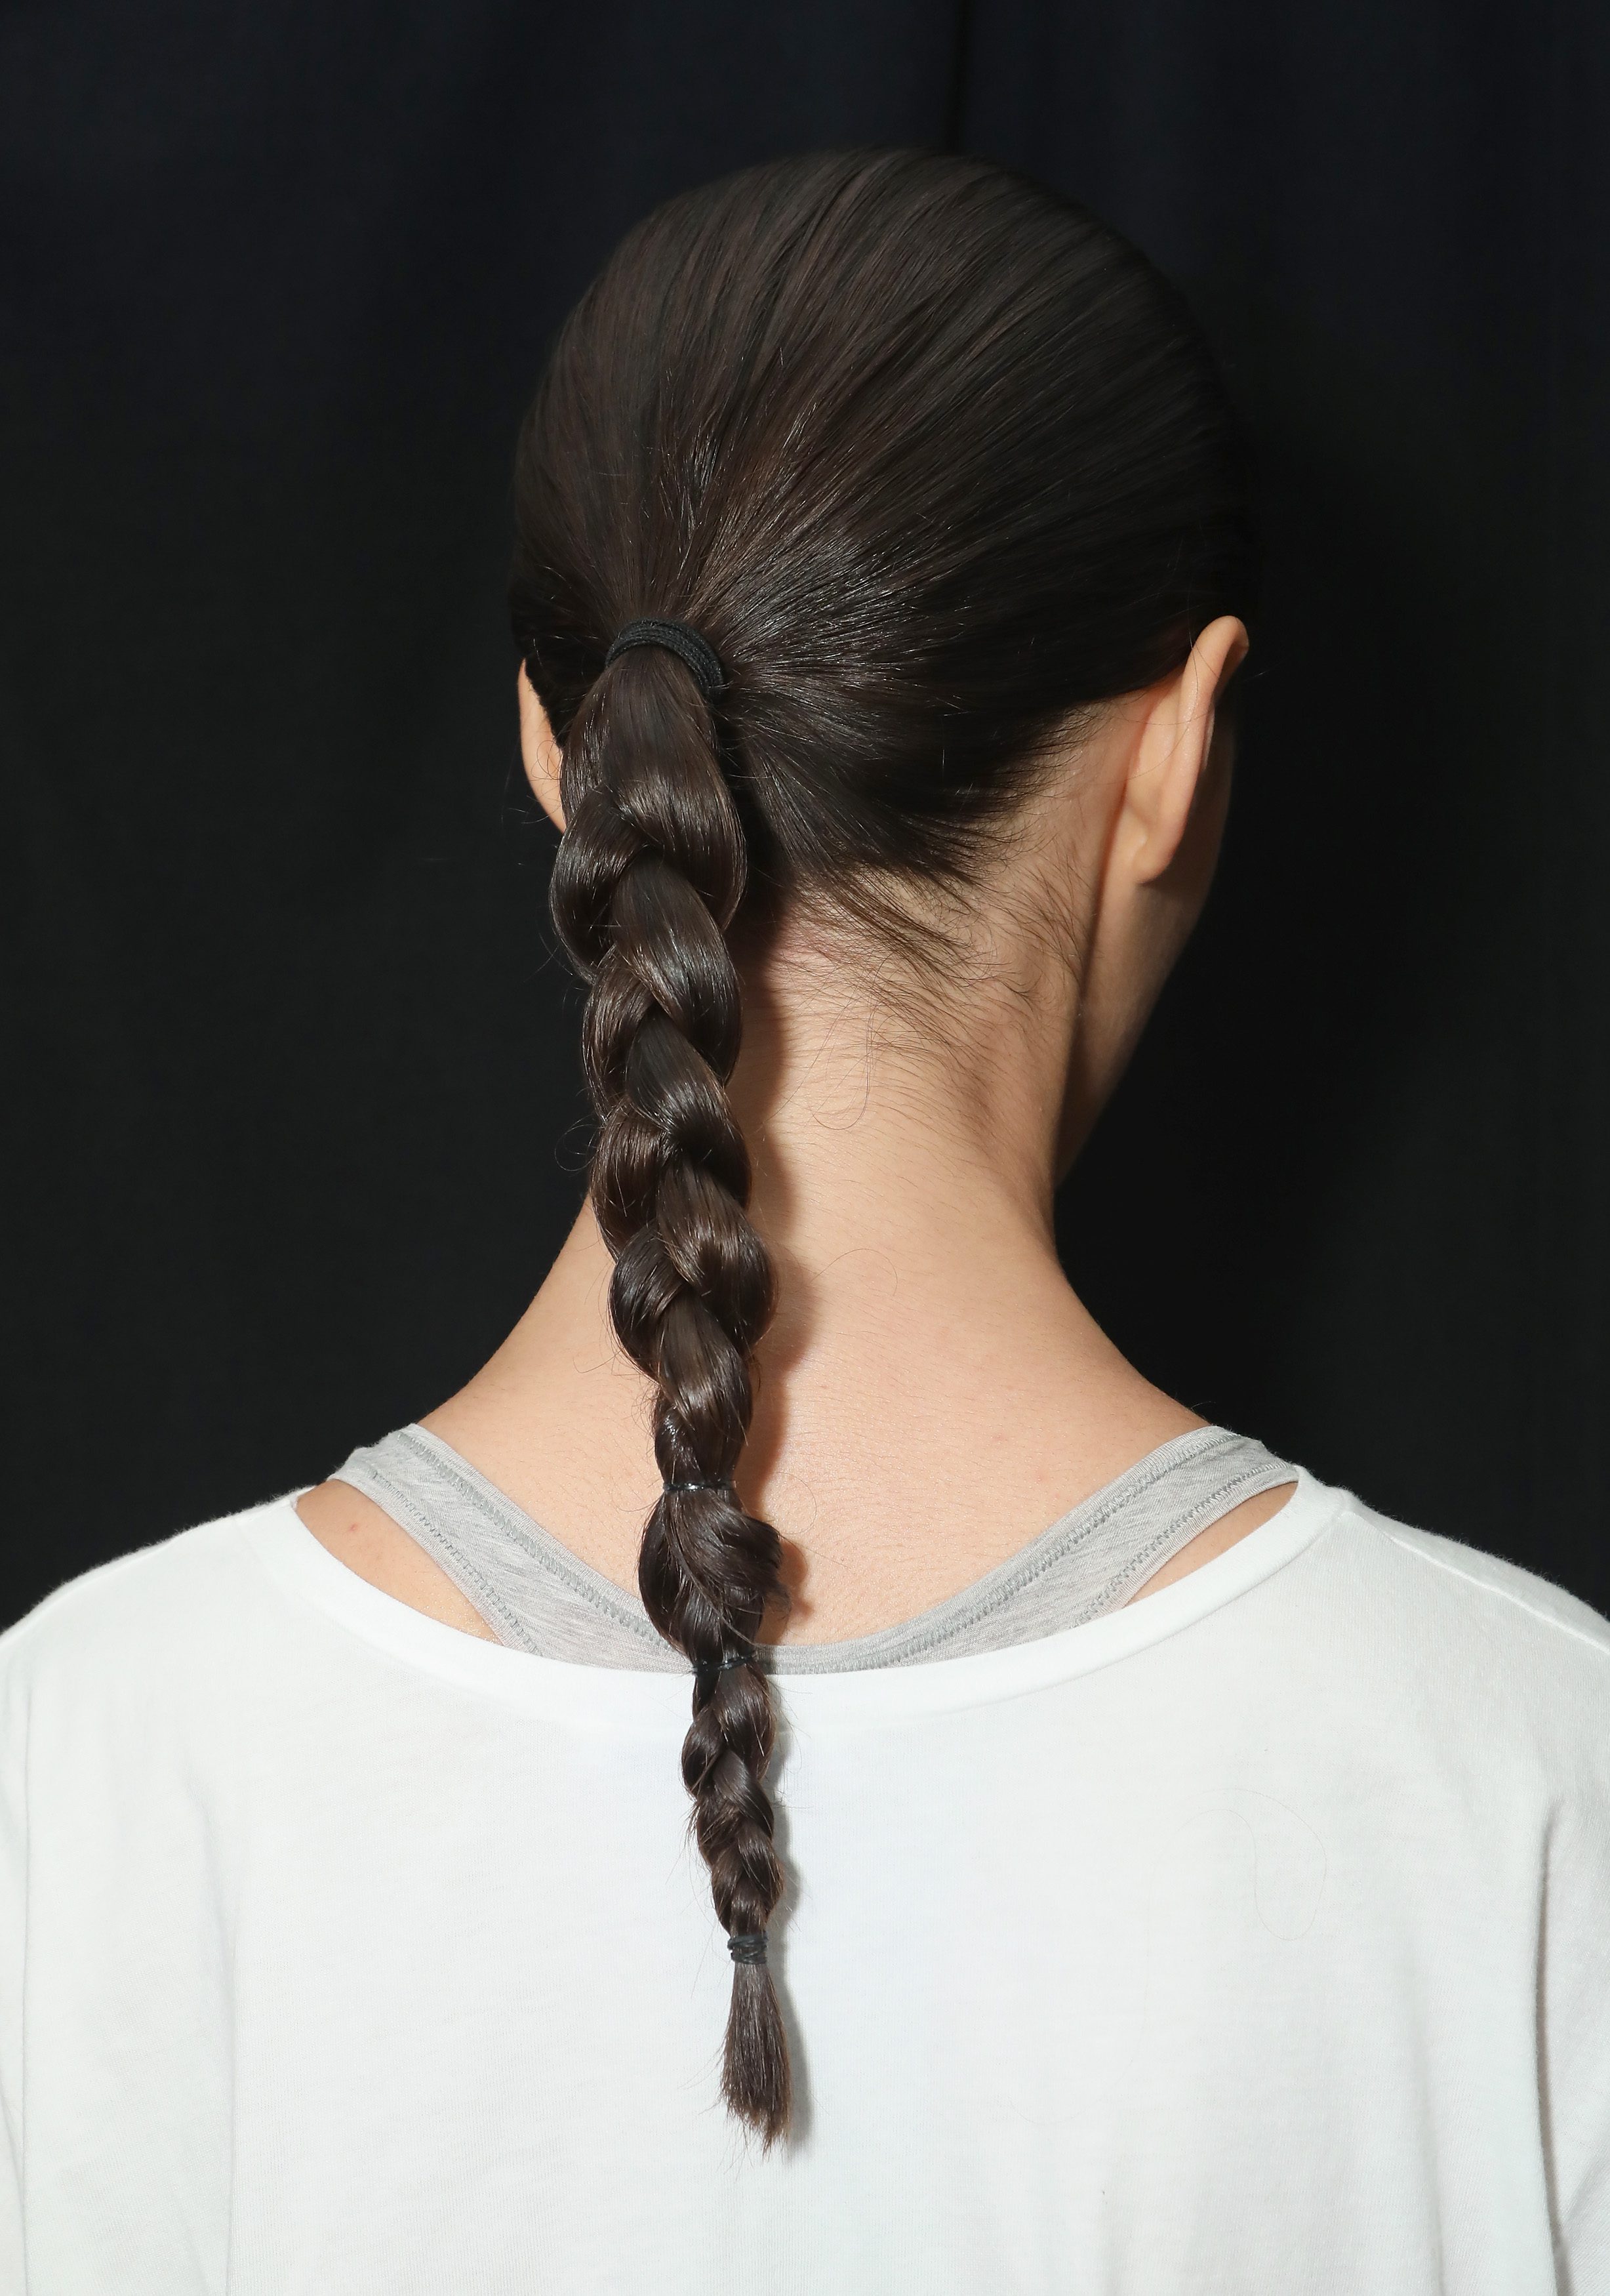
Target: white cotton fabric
x=1253, y=1938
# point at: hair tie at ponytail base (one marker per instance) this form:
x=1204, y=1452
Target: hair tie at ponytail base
x=749, y=1947
x=696, y=654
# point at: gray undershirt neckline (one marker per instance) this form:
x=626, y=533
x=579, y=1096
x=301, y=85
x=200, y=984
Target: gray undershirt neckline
x=538, y=1596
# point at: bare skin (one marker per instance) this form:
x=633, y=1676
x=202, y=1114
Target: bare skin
x=933, y=1394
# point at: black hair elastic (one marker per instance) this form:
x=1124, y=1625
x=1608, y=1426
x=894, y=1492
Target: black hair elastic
x=723, y=1485
x=748, y=1946
x=704, y=1675
x=677, y=638
x=722, y=1664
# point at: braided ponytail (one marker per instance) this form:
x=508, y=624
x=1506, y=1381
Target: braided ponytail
x=942, y=462
x=650, y=871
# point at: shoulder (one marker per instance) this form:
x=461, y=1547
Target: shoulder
x=148, y=1620
x=1464, y=1591
x=1487, y=1647
x=1487, y=1590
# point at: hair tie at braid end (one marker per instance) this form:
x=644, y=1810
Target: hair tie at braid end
x=694, y=652
x=748, y=1948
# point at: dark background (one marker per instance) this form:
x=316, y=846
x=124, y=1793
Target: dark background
x=288, y=1062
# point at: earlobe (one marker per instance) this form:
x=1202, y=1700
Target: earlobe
x=539, y=751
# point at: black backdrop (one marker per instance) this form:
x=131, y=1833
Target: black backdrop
x=289, y=1061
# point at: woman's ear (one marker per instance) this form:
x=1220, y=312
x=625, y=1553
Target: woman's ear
x=540, y=752
x=1168, y=795
x=1174, y=757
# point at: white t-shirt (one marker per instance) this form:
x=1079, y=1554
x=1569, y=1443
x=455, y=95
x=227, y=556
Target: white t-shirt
x=1253, y=1938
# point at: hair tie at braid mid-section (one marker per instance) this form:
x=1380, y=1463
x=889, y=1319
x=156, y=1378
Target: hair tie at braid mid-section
x=708, y=1670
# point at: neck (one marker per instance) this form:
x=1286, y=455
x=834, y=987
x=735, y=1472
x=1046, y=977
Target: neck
x=886, y=1123
x=929, y=1361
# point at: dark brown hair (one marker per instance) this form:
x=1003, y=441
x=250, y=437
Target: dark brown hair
x=931, y=458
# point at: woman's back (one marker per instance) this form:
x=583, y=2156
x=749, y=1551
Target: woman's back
x=1197, y=1946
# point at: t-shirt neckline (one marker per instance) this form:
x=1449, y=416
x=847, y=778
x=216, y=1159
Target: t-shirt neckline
x=618, y=1697
x=918, y=1638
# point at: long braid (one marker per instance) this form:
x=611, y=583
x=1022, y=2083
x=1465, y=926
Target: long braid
x=649, y=873
x=940, y=465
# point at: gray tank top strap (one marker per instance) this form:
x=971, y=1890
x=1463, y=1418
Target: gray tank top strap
x=536, y=1596
x=532, y=1591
